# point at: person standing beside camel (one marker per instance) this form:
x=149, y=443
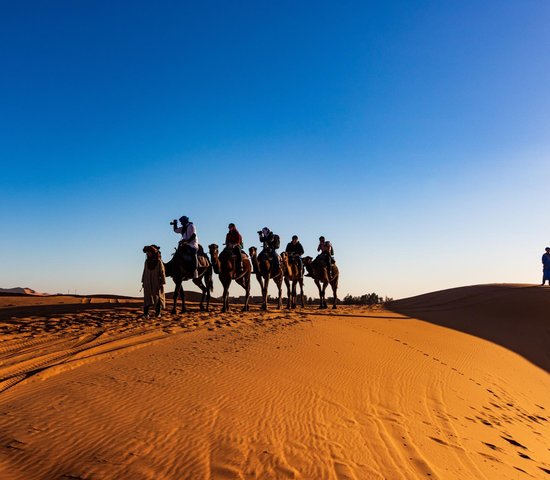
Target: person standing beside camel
x=234, y=242
x=153, y=280
x=546, y=266
x=189, y=241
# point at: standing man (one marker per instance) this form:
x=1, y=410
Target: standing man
x=234, y=242
x=546, y=266
x=189, y=241
x=295, y=251
x=152, y=281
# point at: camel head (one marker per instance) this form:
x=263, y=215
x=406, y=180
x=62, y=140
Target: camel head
x=213, y=249
x=151, y=248
x=308, y=264
x=252, y=251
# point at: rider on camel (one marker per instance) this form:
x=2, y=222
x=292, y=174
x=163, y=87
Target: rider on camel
x=234, y=242
x=189, y=242
x=325, y=247
x=271, y=244
x=295, y=251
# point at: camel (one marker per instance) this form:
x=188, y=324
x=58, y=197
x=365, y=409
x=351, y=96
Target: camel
x=318, y=270
x=293, y=272
x=224, y=266
x=263, y=268
x=180, y=269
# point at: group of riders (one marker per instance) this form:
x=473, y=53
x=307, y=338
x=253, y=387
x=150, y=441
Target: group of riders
x=154, y=275
x=189, y=245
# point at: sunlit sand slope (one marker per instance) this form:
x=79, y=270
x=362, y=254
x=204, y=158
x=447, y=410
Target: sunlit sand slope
x=364, y=394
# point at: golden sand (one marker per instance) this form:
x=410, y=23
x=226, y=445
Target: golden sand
x=442, y=386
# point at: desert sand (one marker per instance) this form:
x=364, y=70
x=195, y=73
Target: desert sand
x=449, y=385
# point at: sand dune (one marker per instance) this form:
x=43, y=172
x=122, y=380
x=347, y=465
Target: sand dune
x=514, y=316
x=353, y=394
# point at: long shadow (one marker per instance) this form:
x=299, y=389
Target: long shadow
x=515, y=317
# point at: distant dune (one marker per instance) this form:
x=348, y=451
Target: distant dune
x=20, y=291
x=449, y=385
x=514, y=316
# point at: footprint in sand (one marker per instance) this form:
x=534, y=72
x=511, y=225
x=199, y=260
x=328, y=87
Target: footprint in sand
x=514, y=442
x=492, y=447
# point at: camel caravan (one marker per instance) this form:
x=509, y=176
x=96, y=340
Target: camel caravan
x=232, y=263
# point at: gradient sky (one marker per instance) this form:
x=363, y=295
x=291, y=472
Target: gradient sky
x=414, y=135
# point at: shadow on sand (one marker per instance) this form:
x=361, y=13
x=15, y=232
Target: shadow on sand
x=516, y=317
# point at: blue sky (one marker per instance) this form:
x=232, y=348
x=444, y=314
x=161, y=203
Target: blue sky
x=414, y=135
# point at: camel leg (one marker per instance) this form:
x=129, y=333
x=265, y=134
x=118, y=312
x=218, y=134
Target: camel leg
x=207, y=307
x=294, y=293
x=241, y=281
x=288, y=301
x=320, y=293
x=280, y=287
x=177, y=287
x=325, y=295
x=260, y=281
x=225, y=299
x=182, y=295
x=226, y=293
x=225, y=296
x=198, y=283
x=247, y=296
x=264, y=293
x=208, y=285
x=245, y=283
x=335, y=297
x=301, y=283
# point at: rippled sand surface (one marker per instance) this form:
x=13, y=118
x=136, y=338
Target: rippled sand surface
x=90, y=390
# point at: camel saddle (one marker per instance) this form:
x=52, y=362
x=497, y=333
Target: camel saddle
x=202, y=261
x=267, y=253
x=228, y=252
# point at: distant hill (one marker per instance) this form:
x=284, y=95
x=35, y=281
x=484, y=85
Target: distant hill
x=20, y=291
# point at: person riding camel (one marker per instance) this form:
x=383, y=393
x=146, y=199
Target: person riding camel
x=189, y=242
x=325, y=247
x=295, y=251
x=234, y=242
x=271, y=244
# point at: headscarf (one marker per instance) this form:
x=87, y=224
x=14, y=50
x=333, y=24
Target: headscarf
x=152, y=261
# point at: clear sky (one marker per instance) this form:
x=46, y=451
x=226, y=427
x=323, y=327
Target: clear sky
x=414, y=135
